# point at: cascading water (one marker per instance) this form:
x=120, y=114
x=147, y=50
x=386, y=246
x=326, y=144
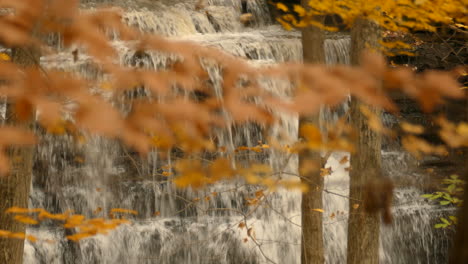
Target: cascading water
x=171, y=226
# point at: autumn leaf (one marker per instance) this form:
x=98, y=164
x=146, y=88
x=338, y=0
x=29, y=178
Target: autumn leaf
x=411, y=128
x=325, y=171
x=344, y=160
x=44, y=214
x=123, y=211
x=318, y=210
x=300, y=10
x=74, y=221
x=78, y=236
x=418, y=146
x=4, y=56
x=282, y=7
x=19, y=210
x=259, y=194
x=373, y=121
x=31, y=238
x=98, y=210
x=26, y=219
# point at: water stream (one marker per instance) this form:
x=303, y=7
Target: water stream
x=170, y=227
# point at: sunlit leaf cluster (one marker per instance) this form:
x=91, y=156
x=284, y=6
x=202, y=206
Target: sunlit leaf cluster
x=394, y=15
x=84, y=227
x=450, y=194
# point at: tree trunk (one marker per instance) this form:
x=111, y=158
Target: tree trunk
x=459, y=252
x=363, y=227
x=312, y=234
x=14, y=187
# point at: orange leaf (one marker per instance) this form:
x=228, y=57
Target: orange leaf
x=344, y=160
x=412, y=128
x=123, y=211
x=26, y=219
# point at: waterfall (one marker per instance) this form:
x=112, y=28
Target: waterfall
x=172, y=225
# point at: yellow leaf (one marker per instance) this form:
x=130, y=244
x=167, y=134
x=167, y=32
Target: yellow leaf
x=73, y=221
x=45, y=214
x=4, y=233
x=461, y=26
x=18, y=210
x=318, y=210
x=257, y=149
x=355, y=206
x=325, y=171
x=123, y=211
x=26, y=219
x=283, y=23
x=344, y=160
x=282, y=7
x=395, y=45
x=312, y=136
x=462, y=129
x=78, y=236
x=31, y=238
x=299, y=10
x=4, y=56
x=411, y=128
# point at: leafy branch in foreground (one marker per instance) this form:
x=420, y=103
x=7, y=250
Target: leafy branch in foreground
x=176, y=119
x=450, y=194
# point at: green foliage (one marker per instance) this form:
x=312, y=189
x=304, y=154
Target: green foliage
x=449, y=195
